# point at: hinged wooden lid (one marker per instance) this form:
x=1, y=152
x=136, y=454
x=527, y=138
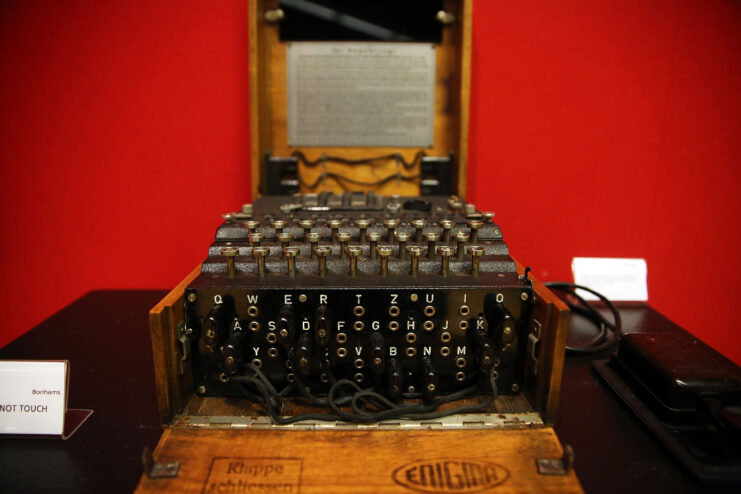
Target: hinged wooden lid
x=372, y=461
x=268, y=118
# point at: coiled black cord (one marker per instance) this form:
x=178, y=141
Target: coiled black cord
x=601, y=341
x=367, y=405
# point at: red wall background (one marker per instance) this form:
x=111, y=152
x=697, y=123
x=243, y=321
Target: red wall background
x=598, y=129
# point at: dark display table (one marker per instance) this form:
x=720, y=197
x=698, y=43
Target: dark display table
x=105, y=337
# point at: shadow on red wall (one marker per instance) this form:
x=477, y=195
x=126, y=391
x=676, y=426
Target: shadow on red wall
x=600, y=129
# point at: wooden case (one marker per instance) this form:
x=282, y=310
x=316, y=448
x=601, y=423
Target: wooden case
x=225, y=445
x=220, y=443
x=268, y=108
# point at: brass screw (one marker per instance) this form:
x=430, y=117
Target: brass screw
x=291, y=253
x=285, y=238
x=474, y=225
x=455, y=204
x=313, y=239
x=432, y=239
x=447, y=225
x=323, y=251
x=391, y=224
x=476, y=252
x=373, y=237
x=354, y=251
x=415, y=251
x=230, y=253
x=402, y=238
x=362, y=225
x=335, y=226
x=307, y=225
x=259, y=253
x=384, y=251
x=507, y=334
x=255, y=239
x=251, y=226
x=488, y=216
x=278, y=225
x=445, y=251
x=461, y=238
x=344, y=238
x=419, y=226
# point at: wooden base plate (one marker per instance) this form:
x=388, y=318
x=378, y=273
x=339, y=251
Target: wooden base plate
x=291, y=461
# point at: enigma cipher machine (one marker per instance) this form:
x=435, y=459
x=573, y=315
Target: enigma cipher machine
x=369, y=307
x=359, y=317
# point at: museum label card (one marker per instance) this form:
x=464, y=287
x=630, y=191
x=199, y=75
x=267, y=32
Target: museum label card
x=33, y=397
x=615, y=278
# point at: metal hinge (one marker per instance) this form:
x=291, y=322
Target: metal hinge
x=156, y=470
x=458, y=421
x=557, y=466
x=532, y=342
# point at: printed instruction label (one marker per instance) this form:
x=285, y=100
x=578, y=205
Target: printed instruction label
x=33, y=397
x=615, y=278
x=360, y=94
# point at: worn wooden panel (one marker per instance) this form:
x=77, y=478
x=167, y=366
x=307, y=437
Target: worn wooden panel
x=359, y=461
x=173, y=389
x=268, y=109
x=544, y=388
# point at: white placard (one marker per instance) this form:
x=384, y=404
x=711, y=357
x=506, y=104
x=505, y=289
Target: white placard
x=33, y=397
x=615, y=278
x=360, y=94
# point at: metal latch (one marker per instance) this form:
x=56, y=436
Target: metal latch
x=532, y=342
x=557, y=466
x=183, y=338
x=156, y=470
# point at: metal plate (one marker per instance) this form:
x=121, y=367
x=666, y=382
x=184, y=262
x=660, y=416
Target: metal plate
x=452, y=422
x=360, y=94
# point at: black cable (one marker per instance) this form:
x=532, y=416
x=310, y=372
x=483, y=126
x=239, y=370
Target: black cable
x=270, y=408
x=362, y=161
x=426, y=411
x=417, y=411
x=383, y=408
x=601, y=341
